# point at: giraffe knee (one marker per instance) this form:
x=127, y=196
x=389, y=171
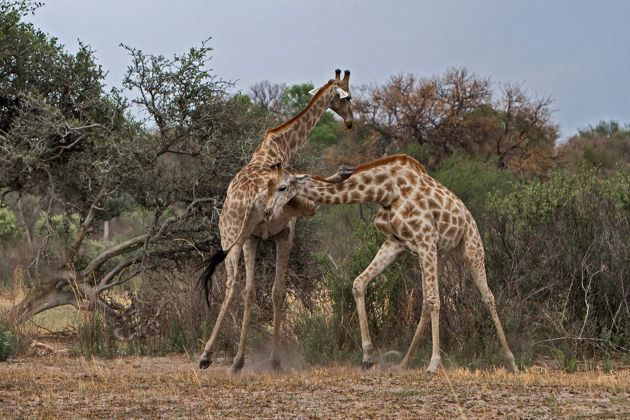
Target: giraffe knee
x=432, y=304
x=358, y=287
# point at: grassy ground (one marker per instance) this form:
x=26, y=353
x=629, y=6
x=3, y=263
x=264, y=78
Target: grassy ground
x=63, y=386
x=52, y=320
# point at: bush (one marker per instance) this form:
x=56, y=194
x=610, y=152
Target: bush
x=560, y=249
x=474, y=180
x=7, y=342
x=8, y=227
x=95, y=337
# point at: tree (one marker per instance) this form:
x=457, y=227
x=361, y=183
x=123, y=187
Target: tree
x=434, y=118
x=67, y=141
x=605, y=146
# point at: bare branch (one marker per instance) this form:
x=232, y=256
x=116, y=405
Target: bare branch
x=114, y=251
x=86, y=225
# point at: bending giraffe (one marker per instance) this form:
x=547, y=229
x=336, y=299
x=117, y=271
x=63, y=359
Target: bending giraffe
x=417, y=214
x=241, y=222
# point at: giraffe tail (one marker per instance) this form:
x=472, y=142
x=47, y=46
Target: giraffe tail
x=205, y=280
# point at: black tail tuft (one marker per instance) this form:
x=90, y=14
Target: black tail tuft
x=205, y=280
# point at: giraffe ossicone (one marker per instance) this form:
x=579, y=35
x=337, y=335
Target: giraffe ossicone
x=416, y=214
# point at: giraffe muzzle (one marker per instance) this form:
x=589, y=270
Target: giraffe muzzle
x=268, y=214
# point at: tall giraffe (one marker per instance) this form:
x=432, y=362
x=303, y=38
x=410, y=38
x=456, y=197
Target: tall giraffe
x=417, y=214
x=241, y=222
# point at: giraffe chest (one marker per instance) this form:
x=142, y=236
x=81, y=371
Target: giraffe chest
x=266, y=230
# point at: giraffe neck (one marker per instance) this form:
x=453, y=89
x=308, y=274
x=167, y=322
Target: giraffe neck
x=375, y=186
x=283, y=141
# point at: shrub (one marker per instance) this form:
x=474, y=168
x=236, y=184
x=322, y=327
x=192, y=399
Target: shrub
x=474, y=180
x=561, y=250
x=8, y=227
x=7, y=342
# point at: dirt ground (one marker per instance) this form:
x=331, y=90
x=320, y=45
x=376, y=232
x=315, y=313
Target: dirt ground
x=148, y=387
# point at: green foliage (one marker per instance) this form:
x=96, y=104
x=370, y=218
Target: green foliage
x=95, y=336
x=60, y=224
x=325, y=133
x=7, y=342
x=610, y=129
x=116, y=204
x=566, y=359
x=474, y=180
x=564, y=193
x=563, y=242
x=605, y=146
x=8, y=227
x=296, y=97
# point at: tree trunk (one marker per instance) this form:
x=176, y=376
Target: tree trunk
x=106, y=231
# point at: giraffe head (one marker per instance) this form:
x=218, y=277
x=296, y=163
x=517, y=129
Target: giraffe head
x=286, y=185
x=340, y=104
x=280, y=190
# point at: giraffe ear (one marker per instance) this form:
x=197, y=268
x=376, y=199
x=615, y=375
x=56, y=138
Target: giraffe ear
x=342, y=93
x=313, y=91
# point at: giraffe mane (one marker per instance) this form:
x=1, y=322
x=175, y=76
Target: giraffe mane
x=290, y=121
x=405, y=159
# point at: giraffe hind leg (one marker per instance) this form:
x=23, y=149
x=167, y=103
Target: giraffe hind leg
x=284, y=243
x=231, y=265
x=249, y=293
x=475, y=261
x=424, y=319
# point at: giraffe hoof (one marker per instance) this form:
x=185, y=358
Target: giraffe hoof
x=367, y=365
x=433, y=366
x=237, y=365
x=205, y=361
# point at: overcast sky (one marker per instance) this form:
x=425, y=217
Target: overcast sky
x=577, y=52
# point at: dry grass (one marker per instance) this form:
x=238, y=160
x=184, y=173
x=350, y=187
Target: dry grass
x=61, y=386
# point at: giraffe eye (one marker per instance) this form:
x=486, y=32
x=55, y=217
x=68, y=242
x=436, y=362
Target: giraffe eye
x=282, y=188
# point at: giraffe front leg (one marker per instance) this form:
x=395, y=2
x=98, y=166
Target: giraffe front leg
x=249, y=255
x=231, y=266
x=384, y=257
x=284, y=243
